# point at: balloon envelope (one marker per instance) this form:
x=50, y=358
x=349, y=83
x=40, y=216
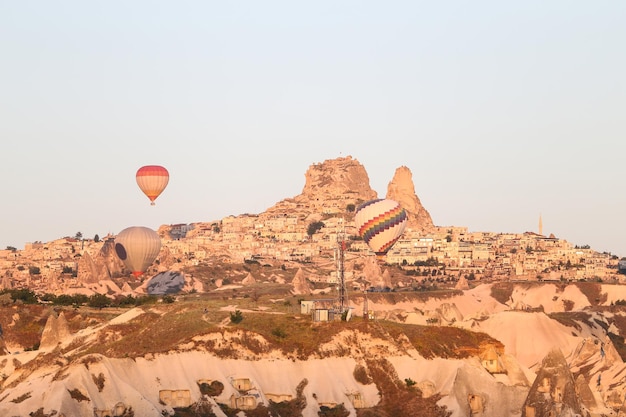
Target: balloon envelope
x=152, y=180
x=137, y=247
x=380, y=223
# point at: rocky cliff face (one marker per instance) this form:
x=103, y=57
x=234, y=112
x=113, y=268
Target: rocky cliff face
x=402, y=190
x=336, y=178
x=333, y=184
x=329, y=187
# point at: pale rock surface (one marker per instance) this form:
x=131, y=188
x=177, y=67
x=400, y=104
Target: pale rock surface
x=6, y=283
x=462, y=284
x=554, y=391
x=300, y=284
x=402, y=189
x=101, y=267
x=55, y=331
x=372, y=271
x=249, y=279
x=464, y=385
x=329, y=187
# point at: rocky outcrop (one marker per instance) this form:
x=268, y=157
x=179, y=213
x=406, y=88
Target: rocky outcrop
x=249, y=279
x=402, y=190
x=329, y=187
x=300, y=284
x=103, y=266
x=462, y=284
x=554, y=390
x=55, y=331
x=337, y=178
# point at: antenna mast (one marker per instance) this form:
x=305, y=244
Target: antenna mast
x=341, y=247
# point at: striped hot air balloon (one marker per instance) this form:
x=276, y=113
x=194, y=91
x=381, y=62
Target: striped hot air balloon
x=152, y=180
x=137, y=247
x=380, y=223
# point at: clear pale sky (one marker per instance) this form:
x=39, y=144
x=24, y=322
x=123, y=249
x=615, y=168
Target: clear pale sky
x=503, y=111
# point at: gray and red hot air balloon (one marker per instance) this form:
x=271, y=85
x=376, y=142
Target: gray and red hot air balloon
x=137, y=247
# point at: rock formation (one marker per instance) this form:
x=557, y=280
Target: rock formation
x=249, y=279
x=54, y=332
x=336, y=178
x=372, y=272
x=300, y=285
x=554, y=390
x=402, y=190
x=329, y=187
x=103, y=266
x=462, y=284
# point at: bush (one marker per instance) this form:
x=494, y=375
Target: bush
x=99, y=301
x=314, y=227
x=336, y=411
x=78, y=395
x=236, y=317
x=25, y=295
x=361, y=375
x=213, y=389
x=99, y=381
x=279, y=333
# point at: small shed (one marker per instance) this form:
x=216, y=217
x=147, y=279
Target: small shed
x=306, y=306
x=175, y=398
x=242, y=384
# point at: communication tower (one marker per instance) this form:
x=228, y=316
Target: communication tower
x=342, y=298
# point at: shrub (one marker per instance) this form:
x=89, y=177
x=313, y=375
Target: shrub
x=213, y=389
x=99, y=381
x=279, y=333
x=361, y=375
x=21, y=398
x=337, y=411
x=99, y=301
x=236, y=317
x=77, y=395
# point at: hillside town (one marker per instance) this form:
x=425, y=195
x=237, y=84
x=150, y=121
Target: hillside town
x=449, y=252
x=306, y=230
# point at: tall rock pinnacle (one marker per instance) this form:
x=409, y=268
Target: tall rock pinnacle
x=402, y=190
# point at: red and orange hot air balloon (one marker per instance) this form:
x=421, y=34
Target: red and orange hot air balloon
x=152, y=179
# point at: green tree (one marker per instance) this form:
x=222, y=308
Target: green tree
x=34, y=270
x=350, y=208
x=11, y=248
x=99, y=301
x=314, y=227
x=78, y=235
x=25, y=295
x=96, y=238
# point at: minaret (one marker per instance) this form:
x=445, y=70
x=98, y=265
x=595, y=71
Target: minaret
x=540, y=225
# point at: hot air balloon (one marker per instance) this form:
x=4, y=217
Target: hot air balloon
x=137, y=247
x=152, y=179
x=380, y=223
